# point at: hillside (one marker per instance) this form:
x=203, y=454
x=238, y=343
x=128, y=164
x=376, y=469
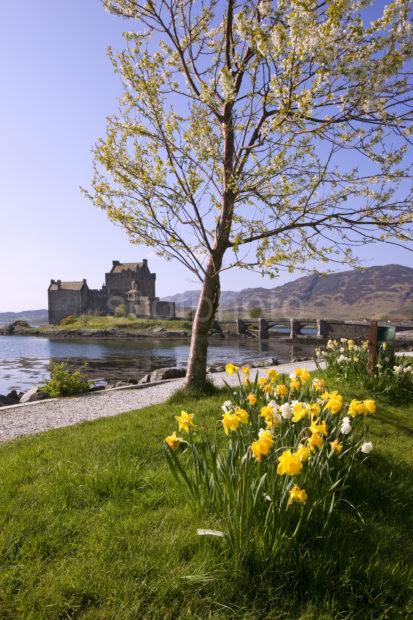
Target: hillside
x=34, y=317
x=376, y=292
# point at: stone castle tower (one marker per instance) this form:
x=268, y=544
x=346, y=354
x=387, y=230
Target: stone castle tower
x=131, y=284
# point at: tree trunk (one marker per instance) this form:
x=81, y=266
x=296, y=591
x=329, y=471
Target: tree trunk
x=205, y=313
x=209, y=297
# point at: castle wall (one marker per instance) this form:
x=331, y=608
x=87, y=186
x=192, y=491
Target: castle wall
x=121, y=282
x=63, y=303
x=74, y=298
x=99, y=302
x=164, y=309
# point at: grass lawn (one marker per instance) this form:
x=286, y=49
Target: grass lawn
x=94, y=526
x=125, y=323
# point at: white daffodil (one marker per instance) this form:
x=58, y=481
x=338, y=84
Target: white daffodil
x=227, y=406
x=367, y=447
x=286, y=411
x=345, y=427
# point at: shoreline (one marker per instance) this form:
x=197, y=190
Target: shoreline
x=31, y=418
x=158, y=334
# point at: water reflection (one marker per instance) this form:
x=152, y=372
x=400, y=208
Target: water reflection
x=25, y=360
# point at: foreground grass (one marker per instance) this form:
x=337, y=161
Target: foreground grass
x=93, y=526
x=125, y=323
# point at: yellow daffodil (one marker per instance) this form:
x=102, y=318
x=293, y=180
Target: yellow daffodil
x=297, y=495
x=319, y=427
x=273, y=420
x=266, y=439
x=266, y=411
x=315, y=441
x=268, y=388
x=242, y=415
x=318, y=385
x=273, y=375
x=300, y=410
x=361, y=407
x=246, y=370
x=295, y=384
x=173, y=441
x=231, y=369
x=230, y=422
x=336, y=446
x=370, y=405
x=325, y=396
x=303, y=453
x=315, y=409
x=281, y=390
x=256, y=451
x=262, y=446
x=252, y=399
x=262, y=381
x=185, y=421
x=302, y=374
x=356, y=407
x=289, y=464
x=334, y=403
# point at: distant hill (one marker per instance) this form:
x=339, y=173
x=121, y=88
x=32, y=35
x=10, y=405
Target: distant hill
x=34, y=317
x=375, y=292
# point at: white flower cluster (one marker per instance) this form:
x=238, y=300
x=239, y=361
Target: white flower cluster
x=345, y=427
x=402, y=369
x=275, y=408
x=367, y=447
x=286, y=411
x=227, y=84
x=342, y=359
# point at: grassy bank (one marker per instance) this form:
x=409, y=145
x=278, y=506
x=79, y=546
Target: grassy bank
x=124, y=323
x=94, y=526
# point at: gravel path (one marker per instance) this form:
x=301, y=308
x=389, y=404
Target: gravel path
x=45, y=415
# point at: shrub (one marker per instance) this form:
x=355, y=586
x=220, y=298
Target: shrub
x=68, y=320
x=65, y=383
x=276, y=464
x=120, y=311
x=84, y=319
x=255, y=313
x=21, y=323
x=348, y=362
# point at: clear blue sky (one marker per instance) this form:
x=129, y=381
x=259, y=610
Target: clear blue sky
x=57, y=87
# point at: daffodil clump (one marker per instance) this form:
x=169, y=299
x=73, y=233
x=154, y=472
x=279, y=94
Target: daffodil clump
x=277, y=459
x=347, y=361
x=344, y=359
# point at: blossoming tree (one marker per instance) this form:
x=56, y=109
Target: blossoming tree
x=258, y=134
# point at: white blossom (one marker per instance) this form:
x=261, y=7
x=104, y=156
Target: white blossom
x=264, y=8
x=278, y=38
x=367, y=447
x=345, y=427
x=286, y=411
x=227, y=84
x=227, y=406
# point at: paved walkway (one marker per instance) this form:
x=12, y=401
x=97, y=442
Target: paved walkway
x=56, y=413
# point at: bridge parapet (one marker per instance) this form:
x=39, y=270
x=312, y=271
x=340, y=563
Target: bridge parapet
x=323, y=328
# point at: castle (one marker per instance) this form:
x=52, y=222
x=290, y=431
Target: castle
x=131, y=284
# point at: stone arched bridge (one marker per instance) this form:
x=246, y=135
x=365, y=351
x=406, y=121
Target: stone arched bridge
x=319, y=328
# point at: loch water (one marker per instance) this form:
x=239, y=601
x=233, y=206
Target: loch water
x=25, y=360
